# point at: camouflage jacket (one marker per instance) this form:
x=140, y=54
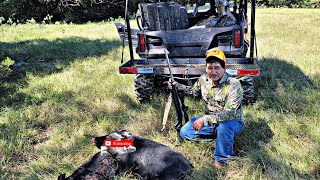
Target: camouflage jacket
x=223, y=101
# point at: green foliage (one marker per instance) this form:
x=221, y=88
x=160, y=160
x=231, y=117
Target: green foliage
x=7, y=62
x=97, y=10
x=5, y=70
x=68, y=10
x=289, y=3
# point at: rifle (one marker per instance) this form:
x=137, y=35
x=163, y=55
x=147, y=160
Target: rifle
x=176, y=100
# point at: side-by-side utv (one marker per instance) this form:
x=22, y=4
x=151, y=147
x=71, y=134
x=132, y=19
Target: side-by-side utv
x=187, y=32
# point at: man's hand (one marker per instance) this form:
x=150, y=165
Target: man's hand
x=175, y=83
x=197, y=125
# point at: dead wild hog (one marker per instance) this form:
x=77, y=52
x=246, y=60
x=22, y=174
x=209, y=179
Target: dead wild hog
x=146, y=158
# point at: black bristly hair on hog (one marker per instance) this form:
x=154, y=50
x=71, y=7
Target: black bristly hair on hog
x=101, y=166
x=146, y=158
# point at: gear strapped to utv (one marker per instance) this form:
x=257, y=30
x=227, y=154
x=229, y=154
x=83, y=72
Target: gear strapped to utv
x=168, y=26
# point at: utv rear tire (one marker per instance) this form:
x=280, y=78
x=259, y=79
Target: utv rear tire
x=144, y=85
x=248, y=90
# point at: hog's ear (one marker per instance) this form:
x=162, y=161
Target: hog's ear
x=98, y=141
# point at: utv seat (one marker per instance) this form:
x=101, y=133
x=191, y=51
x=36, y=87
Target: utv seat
x=163, y=16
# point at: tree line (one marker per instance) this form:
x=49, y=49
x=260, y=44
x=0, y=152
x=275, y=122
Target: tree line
x=64, y=10
x=290, y=3
x=97, y=10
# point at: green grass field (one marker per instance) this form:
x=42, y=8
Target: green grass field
x=71, y=90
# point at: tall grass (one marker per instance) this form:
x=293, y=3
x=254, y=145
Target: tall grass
x=71, y=90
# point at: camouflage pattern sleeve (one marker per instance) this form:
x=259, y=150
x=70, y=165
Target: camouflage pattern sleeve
x=191, y=90
x=232, y=108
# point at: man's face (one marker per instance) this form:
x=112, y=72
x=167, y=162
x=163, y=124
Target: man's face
x=215, y=71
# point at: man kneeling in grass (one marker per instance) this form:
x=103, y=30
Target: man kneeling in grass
x=224, y=117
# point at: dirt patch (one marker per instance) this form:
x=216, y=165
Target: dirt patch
x=42, y=136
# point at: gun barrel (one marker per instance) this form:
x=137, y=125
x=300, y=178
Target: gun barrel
x=168, y=62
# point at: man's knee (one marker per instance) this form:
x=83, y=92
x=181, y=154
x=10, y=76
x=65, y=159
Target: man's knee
x=229, y=127
x=183, y=132
x=222, y=128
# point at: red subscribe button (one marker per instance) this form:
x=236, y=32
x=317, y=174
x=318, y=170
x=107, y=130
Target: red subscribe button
x=118, y=143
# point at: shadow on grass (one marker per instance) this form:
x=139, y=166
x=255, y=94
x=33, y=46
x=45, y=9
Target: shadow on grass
x=275, y=169
x=10, y=96
x=58, y=51
x=282, y=86
x=44, y=58
x=254, y=135
x=132, y=104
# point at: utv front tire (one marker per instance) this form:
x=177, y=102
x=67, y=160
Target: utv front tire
x=144, y=85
